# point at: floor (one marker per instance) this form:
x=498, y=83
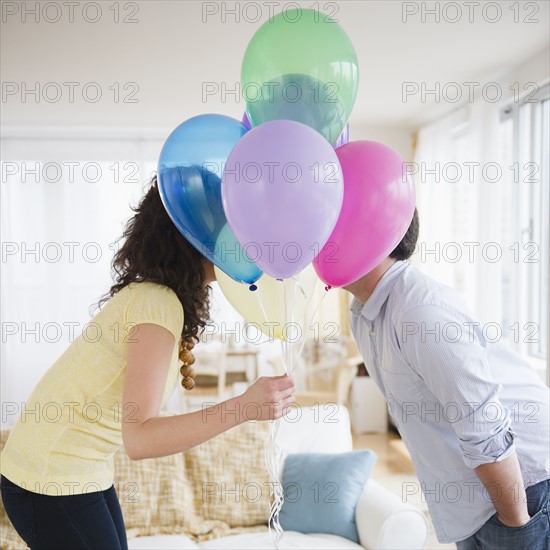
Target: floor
x=391, y=459
x=392, y=469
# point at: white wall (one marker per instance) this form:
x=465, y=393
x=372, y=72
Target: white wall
x=171, y=48
x=399, y=138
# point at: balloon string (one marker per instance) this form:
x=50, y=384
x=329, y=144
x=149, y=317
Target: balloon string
x=300, y=287
x=292, y=311
x=273, y=452
x=284, y=343
x=301, y=348
x=261, y=302
x=273, y=457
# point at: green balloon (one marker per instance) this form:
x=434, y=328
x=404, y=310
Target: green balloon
x=301, y=65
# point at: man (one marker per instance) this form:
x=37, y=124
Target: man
x=473, y=414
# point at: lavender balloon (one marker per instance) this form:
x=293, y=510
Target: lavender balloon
x=282, y=192
x=343, y=138
x=246, y=122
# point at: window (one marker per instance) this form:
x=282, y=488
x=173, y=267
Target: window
x=64, y=200
x=525, y=149
x=485, y=231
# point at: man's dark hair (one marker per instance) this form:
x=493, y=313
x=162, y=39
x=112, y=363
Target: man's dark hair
x=404, y=250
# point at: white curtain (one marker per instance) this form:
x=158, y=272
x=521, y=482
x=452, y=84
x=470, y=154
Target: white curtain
x=447, y=184
x=64, y=202
x=476, y=230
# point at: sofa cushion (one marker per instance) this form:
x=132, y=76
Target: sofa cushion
x=153, y=493
x=290, y=539
x=206, y=492
x=322, y=490
x=230, y=478
x=166, y=542
x=324, y=428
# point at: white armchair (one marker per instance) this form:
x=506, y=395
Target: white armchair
x=384, y=521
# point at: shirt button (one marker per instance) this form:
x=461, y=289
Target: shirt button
x=372, y=333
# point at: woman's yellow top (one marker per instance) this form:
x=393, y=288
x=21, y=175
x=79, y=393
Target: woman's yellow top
x=70, y=428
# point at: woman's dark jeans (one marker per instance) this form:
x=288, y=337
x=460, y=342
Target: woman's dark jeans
x=83, y=521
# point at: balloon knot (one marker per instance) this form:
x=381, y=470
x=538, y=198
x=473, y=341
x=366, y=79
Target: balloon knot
x=328, y=287
x=252, y=288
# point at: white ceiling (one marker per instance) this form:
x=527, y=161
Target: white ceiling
x=172, y=50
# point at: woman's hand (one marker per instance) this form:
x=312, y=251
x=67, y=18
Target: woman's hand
x=269, y=398
x=145, y=434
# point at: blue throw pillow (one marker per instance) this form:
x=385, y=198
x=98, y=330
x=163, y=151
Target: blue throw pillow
x=322, y=490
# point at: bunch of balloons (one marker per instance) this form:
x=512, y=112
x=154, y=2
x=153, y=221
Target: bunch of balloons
x=282, y=193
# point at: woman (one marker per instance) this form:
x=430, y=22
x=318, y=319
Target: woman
x=106, y=391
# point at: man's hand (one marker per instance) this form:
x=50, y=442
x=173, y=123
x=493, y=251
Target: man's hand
x=527, y=518
x=504, y=484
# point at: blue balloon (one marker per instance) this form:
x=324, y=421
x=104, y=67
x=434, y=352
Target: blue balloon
x=189, y=172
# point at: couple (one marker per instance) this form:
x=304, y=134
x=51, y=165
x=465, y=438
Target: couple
x=473, y=414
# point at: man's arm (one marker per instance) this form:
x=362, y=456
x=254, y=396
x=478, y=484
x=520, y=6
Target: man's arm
x=504, y=483
x=456, y=371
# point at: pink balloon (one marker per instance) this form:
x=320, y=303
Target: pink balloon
x=282, y=191
x=378, y=207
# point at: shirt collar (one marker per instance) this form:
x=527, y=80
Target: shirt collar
x=381, y=292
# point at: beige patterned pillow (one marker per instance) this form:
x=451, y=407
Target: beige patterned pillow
x=229, y=476
x=154, y=495
x=212, y=490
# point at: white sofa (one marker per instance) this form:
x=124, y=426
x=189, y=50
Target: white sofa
x=383, y=520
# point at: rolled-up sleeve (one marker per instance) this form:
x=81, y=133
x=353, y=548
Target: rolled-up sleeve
x=448, y=352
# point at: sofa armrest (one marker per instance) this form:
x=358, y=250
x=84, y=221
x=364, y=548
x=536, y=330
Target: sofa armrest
x=384, y=522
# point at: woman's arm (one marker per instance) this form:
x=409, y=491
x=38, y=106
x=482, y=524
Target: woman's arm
x=147, y=435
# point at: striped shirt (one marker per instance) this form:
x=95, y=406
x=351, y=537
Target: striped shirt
x=460, y=397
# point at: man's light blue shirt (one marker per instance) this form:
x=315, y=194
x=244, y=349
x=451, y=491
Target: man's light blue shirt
x=460, y=396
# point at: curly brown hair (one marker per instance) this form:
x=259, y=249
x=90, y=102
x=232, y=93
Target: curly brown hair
x=155, y=251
